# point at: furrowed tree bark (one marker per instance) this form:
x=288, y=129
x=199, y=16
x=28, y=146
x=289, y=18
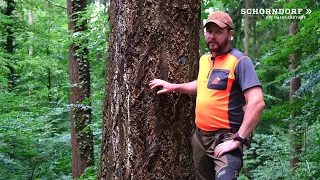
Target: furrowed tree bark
x=80, y=111
x=147, y=136
x=295, y=133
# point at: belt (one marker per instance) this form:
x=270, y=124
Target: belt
x=212, y=133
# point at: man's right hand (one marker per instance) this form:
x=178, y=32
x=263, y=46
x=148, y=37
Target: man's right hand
x=166, y=86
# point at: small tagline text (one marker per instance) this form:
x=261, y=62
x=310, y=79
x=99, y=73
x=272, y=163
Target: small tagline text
x=286, y=17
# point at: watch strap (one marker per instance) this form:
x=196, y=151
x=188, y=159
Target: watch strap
x=237, y=137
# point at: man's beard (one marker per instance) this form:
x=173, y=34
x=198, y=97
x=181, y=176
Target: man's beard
x=220, y=46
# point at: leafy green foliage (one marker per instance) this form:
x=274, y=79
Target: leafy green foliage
x=34, y=120
x=29, y=143
x=269, y=155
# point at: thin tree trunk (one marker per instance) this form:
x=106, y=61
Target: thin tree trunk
x=9, y=45
x=237, y=23
x=147, y=136
x=295, y=135
x=201, y=33
x=80, y=111
x=49, y=85
x=255, y=45
x=246, y=28
x=30, y=23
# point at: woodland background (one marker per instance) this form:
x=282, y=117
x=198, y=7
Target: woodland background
x=35, y=96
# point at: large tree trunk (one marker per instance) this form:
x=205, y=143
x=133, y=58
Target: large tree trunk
x=295, y=135
x=147, y=136
x=80, y=111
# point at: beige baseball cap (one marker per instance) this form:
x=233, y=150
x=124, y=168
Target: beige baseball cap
x=220, y=18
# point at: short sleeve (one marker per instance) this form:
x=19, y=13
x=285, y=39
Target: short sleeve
x=246, y=75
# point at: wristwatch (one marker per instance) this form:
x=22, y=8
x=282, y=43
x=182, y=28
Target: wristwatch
x=237, y=137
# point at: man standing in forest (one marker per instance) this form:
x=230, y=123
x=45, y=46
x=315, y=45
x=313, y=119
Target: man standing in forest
x=227, y=82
